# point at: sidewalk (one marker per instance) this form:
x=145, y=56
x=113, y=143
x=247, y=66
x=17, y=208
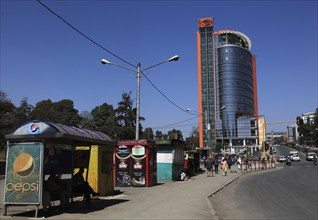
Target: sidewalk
x=168, y=200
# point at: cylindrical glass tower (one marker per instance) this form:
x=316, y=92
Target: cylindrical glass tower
x=227, y=89
x=234, y=84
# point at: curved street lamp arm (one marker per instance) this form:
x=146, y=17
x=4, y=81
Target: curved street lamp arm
x=174, y=58
x=123, y=67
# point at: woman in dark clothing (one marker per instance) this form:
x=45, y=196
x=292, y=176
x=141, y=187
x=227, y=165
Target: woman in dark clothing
x=216, y=164
x=209, y=166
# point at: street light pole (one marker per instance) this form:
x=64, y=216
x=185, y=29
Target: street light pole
x=223, y=145
x=138, y=76
x=138, y=102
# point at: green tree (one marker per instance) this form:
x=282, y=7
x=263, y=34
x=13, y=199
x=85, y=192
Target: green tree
x=65, y=113
x=126, y=116
x=218, y=148
x=43, y=111
x=147, y=134
x=308, y=132
x=62, y=112
x=175, y=134
x=315, y=129
x=105, y=120
x=8, y=121
x=159, y=135
x=86, y=120
x=193, y=139
x=23, y=111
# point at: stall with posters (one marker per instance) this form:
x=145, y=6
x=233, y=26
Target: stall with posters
x=35, y=149
x=135, y=163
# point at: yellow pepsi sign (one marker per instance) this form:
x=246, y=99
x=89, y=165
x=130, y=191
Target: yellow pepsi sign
x=22, y=182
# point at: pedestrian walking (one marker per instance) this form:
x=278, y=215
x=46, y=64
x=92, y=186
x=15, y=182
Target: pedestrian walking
x=209, y=166
x=229, y=162
x=216, y=164
x=224, y=167
x=239, y=161
x=204, y=160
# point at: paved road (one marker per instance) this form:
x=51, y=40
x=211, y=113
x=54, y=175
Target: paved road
x=283, y=193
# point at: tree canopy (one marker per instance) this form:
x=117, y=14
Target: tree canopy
x=119, y=123
x=308, y=132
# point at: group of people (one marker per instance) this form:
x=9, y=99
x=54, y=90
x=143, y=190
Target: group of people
x=225, y=163
x=55, y=189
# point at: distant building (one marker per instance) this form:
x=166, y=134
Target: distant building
x=275, y=134
x=308, y=117
x=228, y=106
x=292, y=134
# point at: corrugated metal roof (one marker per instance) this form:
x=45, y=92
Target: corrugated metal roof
x=49, y=131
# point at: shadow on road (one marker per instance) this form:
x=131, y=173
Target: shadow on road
x=78, y=207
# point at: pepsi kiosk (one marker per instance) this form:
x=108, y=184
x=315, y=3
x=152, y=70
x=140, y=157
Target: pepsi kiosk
x=37, y=147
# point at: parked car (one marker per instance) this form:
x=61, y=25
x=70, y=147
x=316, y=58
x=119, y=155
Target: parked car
x=295, y=157
x=281, y=159
x=293, y=152
x=310, y=156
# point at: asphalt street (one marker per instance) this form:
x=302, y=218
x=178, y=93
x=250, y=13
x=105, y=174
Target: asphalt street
x=287, y=192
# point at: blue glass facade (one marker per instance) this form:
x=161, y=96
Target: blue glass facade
x=235, y=86
x=207, y=85
x=227, y=87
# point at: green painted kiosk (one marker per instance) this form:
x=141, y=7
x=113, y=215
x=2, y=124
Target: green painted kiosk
x=170, y=159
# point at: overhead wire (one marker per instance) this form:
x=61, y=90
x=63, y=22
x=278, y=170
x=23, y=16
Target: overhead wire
x=163, y=126
x=123, y=60
x=173, y=126
x=84, y=35
x=97, y=44
x=173, y=103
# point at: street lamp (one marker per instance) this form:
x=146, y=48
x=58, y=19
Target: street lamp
x=139, y=72
x=221, y=111
x=192, y=112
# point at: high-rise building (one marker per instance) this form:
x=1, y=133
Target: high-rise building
x=228, y=108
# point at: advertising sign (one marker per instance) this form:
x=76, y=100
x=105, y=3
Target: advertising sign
x=22, y=182
x=139, y=166
x=123, y=171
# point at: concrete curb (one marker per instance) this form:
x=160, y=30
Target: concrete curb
x=215, y=192
x=211, y=209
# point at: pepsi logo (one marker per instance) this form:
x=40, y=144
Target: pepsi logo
x=23, y=165
x=33, y=128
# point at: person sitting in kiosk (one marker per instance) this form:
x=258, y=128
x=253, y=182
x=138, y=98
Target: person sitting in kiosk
x=57, y=190
x=79, y=185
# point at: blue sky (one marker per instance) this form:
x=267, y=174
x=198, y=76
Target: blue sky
x=43, y=58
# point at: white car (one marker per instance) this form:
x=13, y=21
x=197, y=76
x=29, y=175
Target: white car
x=294, y=157
x=281, y=159
x=310, y=156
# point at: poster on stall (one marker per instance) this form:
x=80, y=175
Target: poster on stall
x=138, y=155
x=123, y=171
x=152, y=170
x=22, y=181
